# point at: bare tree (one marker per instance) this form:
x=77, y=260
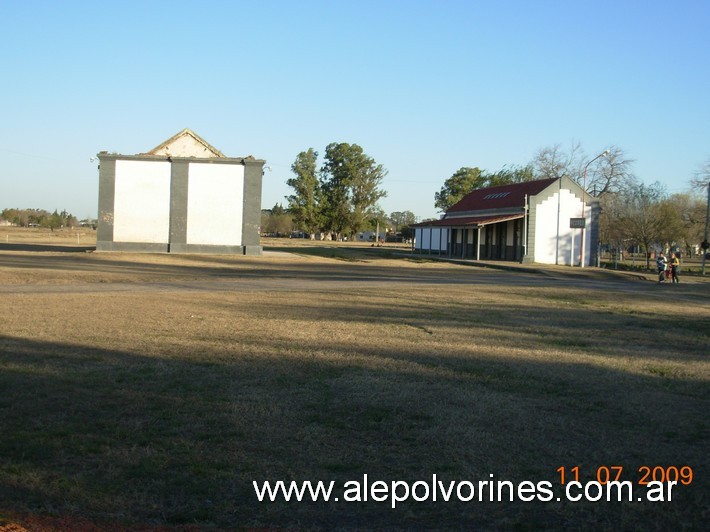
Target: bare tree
x=672, y=231
x=701, y=178
x=640, y=217
x=553, y=162
x=692, y=211
x=612, y=173
x=611, y=230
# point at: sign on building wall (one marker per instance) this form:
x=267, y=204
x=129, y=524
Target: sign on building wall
x=576, y=223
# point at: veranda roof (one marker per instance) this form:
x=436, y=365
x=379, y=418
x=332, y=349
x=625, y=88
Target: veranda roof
x=470, y=221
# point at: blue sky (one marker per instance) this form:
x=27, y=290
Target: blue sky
x=425, y=87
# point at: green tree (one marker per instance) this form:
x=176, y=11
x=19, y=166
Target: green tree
x=23, y=218
x=511, y=174
x=71, y=221
x=305, y=203
x=378, y=222
x=463, y=181
x=68, y=219
x=276, y=221
x=366, y=192
x=407, y=232
x=334, y=184
x=278, y=209
x=403, y=221
x=11, y=215
x=403, y=218
x=350, y=186
x=37, y=217
x=53, y=221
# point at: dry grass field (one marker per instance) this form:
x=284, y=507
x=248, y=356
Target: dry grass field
x=149, y=391
x=80, y=236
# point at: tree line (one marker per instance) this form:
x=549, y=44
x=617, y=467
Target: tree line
x=607, y=174
x=279, y=221
x=39, y=218
x=340, y=196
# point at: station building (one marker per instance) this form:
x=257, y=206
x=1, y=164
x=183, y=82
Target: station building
x=537, y=221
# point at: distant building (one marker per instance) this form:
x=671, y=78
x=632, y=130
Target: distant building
x=369, y=236
x=183, y=196
x=537, y=221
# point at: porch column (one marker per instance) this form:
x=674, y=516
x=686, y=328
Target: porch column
x=478, y=244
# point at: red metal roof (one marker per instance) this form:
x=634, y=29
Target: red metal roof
x=470, y=220
x=500, y=197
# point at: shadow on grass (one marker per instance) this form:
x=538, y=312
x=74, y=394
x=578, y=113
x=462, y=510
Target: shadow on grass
x=168, y=437
x=204, y=267
x=40, y=248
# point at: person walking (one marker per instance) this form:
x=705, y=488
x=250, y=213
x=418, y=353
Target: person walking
x=661, y=265
x=675, y=267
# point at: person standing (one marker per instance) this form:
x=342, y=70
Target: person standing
x=675, y=267
x=661, y=265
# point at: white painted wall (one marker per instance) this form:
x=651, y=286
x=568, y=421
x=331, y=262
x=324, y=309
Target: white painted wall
x=426, y=237
x=142, y=202
x=215, y=196
x=431, y=238
x=436, y=238
x=568, y=248
x=185, y=146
